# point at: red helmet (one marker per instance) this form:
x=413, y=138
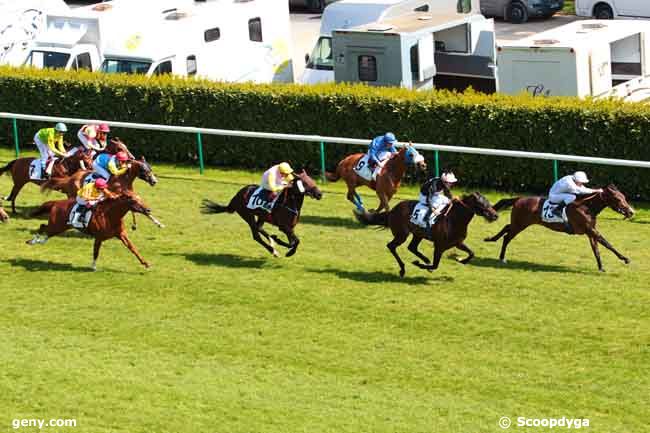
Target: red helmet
x=122, y=156
x=104, y=128
x=101, y=183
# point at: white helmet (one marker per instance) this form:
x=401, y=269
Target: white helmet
x=580, y=176
x=448, y=177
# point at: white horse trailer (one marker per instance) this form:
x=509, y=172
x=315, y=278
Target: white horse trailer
x=585, y=58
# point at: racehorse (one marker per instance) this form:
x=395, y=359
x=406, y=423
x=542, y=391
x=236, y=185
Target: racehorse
x=62, y=167
x=3, y=215
x=285, y=213
x=449, y=231
x=116, y=145
x=582, y=213
x=388, y=180
x=69, y=185
x=106, y=222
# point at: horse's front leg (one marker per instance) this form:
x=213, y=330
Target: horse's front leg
x=293, y=241
x=594, y=247
x=470, y=254
x=609, y=246
x=127, y=243
x=134, y=225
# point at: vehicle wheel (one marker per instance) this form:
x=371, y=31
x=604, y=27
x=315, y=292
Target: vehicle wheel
x=517, y=13
x=603, y=12
x=319, y=5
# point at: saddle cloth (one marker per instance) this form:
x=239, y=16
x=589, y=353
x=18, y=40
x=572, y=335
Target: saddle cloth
x=90, y=178
x=81, y=223
x=36, y=170
x=548, y=213
x=419, y=216
x=362, y=168
x=259, y=200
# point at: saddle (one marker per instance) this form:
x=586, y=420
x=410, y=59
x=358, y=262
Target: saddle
x=423, y=217
x=80, y=216
x=260, y=199
x=550, y=214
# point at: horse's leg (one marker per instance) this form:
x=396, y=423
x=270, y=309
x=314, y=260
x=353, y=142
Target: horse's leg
x=134, y=226
x=601, y=240
x=437, y=255
x=498, y=235
x=413, y=247
x=96, y=247
x=127, y=243
x=512, y=232
x=293, y=241
x=37, y=236
x=14, y=193
x=470, y=254
x=354, y=197
x=594, y=247
x=250, y=220
x=398, y=240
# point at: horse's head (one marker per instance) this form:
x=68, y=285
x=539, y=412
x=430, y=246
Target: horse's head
x=144, y=171
x=3, y=215
x=306, y=185
x=116, y=145
x=480, y=206
x=617, y=201
x=413, y=157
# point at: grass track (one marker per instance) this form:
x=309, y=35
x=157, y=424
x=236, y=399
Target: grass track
x=221, y=337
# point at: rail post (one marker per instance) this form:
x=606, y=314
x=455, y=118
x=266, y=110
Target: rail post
x=437, y=163
x=322, y=160
x=555, y=170
x=15, y=125
x=199, y=144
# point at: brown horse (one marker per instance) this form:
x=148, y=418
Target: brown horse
x=581, y=214
x=3, y=215
x=62, y=167
x=106, y=222
x=116, y=145
x=449, y=231
x=69, y=185
x=388, y=180
x=285, y=214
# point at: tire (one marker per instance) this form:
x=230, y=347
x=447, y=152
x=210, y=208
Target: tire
x=319, y=6
x=517, y=13
x=603, y=12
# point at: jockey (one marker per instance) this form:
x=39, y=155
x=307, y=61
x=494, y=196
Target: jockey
x=93, y=137
x=88, y=197
x=276, y=179
x=565, y=190
x=106, y=165
x=50, y=144
x=435, y=193
x=379, y=149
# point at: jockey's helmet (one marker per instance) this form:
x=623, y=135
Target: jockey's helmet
x=389, y=137
x=60, y=128
x=285, y=168
x=104, y=128
x=122, y=156
x=100, y=183
x=448, y=177
x=580, y=177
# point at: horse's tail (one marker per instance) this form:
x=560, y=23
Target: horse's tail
x=333, y=177
x=372, y=219
x=43, y=209
x=505, y=203
x=55, y=183
x=212, y=207
x=7, y=167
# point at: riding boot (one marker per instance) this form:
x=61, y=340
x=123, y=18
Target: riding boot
x=48, y=169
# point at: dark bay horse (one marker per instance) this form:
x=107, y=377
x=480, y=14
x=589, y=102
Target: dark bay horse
x=285, y=214
x=106, y=222
x=69, y=185
x=62, y=167
x=582, y=213
x=449, y=231
x=388, y=180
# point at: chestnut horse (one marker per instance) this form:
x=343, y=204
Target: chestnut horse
x=106, y=222
x=582, y=213
x=116, y=145
x=285, y=214
x=449, y=231
x=62, y=167
x=388, y=180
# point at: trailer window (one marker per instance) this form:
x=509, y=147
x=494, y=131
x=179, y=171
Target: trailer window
x=212, y=34
x=464, y=6
x=255, y=30
x=113, y=66
x=47, y=59
x=423, y=8
x=83, y=62
x=367, y=68
x=163, y=68
x=191, y=65
x=321, y=57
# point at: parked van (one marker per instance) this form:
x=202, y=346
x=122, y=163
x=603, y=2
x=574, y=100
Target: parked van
x=345, y=14
x=519, y=11
x=310, y=5
x=609, y=9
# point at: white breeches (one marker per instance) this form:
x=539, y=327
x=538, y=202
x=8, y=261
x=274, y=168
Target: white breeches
x=565, y=198
x=43, y=149
x=101, y=171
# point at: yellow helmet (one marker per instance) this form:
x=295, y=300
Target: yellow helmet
x=285, y=168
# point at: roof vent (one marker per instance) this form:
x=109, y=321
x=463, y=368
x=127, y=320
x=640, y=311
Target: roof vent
x=546, y=41
x=380, y=28
x=175, y=16
x=594, y=26
x=101, y=7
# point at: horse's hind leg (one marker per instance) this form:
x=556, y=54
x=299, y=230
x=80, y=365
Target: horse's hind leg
x=398, y=240
x=413, y=247
x=498, y=235
x=470, y=253
x=594, y=247
x=256, y=235
x=512, y=232
x=14, y=194
x=293, y=242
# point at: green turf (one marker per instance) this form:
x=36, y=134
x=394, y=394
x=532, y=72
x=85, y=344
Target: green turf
x=221, y=337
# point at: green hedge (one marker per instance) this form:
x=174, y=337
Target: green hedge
x=560, y=125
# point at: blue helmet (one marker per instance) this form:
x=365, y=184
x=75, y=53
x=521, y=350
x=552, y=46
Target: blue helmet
x=390, y=137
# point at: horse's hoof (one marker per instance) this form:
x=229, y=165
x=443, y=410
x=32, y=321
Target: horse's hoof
x=146, y=265
x=275, y=253
x=402, y=272
x=134, y=227
x=504, y=261
x=488, y=240
x=626, y=260
x=291, y=252
x=601, y=270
